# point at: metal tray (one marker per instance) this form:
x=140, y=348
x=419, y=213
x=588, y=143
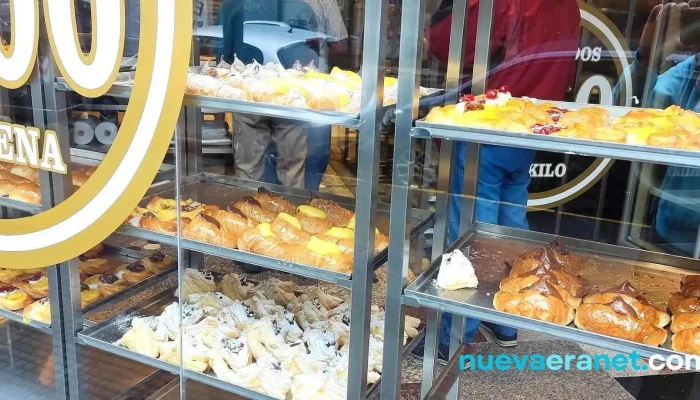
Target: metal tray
x=122, y=88
x=17, y=317
x=221, y=190
x=608, y=265
x=104, y=334
x=584, y=147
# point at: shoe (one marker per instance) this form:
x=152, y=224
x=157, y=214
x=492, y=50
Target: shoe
x=443, y=352
x=501, y=340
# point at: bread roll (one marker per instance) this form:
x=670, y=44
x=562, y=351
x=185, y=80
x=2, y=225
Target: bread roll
x=28, y=173
x=687, y=341
x=6, y=187
x=532, y=304
x=679, y=304
x=618, y=319
x=516, y=284
x=684, y=321
x=26, y=192
x=645, y=312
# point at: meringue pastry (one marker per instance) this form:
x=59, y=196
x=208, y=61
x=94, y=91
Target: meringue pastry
x=456, y=272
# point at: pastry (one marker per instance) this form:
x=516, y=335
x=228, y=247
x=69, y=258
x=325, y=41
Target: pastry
x=28, y=173
x=288, y=229
x=107, y=284
x=666, y=140
x=132, y=273
x=142, y=339
x=532, y=261
x=157, y=262
x=281, y=292
x=26, y=192
x=9, y=176
x=36, y=285
x=236, y=287
x=687, y=341
x=609, y=134
x=88, y=296
x=10, y=275
x=149, y=221
x=690, y=286
x=13, y=299
x=684, y=321
x=93, y=252
x=516, y=284
x=679, y=304
x=336, y=214
x=630, y=295
x=261, y=240
x=93, y=266
x=39, y=310
x=195, y=281
x=274, y=202
x=620, y=320
x=312, y=220
x=232, y=220
x=206, y=229
x=456, y=272
x=6, y=187
x=253, y=210
x=540, y=301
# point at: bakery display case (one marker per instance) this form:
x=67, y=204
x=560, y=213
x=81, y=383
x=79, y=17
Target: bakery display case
x=623, y=296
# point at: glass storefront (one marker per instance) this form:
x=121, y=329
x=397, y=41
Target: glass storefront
x=326, y=198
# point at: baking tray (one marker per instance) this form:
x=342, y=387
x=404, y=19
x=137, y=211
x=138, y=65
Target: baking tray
x=122, y=88
x=221, y=190
x=607, y=266
x=584, y=147
x=104, y=334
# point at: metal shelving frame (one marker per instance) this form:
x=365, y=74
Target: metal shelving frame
x=421, y=293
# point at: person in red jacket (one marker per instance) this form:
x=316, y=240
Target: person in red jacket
x=533, y=53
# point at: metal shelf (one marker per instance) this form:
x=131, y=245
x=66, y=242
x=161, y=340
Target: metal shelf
x=20, y=205
x=584, y=147
x=18, y=317
x=216, y=189
x=490, y=246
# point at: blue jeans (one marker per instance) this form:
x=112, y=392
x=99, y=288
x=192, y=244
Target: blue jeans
x=317, y=156
x=504, y=175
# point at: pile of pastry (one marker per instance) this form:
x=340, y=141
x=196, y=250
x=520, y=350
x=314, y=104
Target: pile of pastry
x=299, y=86
x=20, y=182
x=545, y=285
x=28, y=290
x=320, y=234
x=265, y=338
x=685, y=323
x=673, y=127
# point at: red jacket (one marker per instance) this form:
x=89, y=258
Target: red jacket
x=533, y=45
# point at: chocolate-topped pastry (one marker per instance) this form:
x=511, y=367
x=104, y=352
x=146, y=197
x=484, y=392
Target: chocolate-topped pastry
x=157, y=256
x=250, y=200
x=148, y=214
x=545, y=288
x=619, y=306
x=136, y=267
x=210, y=220
x=108, y=279
x=234, y=210
x=561, y=256
x=188, y=208
x=627, y=289
x=690, y=286
x=84, y=287
x=263, y=190
x=83, y=257
x=34, y=278
x=544, y=273
x=529, y=261
x=7, y=289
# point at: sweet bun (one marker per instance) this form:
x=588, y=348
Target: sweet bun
x=664, y=140
x=13, y=299
x=540, y=301
x=26, y=192
x=36, y=285
x=684, y=321
x=39, y=310
x=132, y=273
x=93, y=266
x=28, y=173
x=157, y=262
x=620, y=320
x=6, y=187
x=687, y=341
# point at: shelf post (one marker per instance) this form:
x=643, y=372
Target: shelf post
x=411, y=51
x=373, y=63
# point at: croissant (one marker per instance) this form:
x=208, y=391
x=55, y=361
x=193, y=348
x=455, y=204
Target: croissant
x=620, y=320
x=207, y=229
x=158, y=203
x=26, y=192
x=261, y=240
x=540, y=301
x=334, y=260
x=336, y=214
x=633, y=298
x=684, y=321
x=288, y=229
x=274, y=202
x=253, y=210
x=6, y=187
x=232, y=220
x=152, y=223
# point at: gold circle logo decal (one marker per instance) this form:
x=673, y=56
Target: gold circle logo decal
x=98, y=208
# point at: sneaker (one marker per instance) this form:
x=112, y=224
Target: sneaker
x=501, y=340
x=443, y=352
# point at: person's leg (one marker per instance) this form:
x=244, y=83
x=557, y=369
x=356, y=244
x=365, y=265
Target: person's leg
x=514, y=192
x=488, y=192
x=270, y=175
x=318, y=155
x=291, y=140
x=455, y=199
x=251, y=137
